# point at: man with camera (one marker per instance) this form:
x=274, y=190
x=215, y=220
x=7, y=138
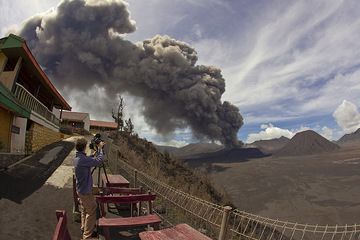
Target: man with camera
x=84, y=184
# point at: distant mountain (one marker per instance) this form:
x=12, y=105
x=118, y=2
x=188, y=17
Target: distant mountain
x=307, y=143
x=270, y=146
x=191, y=149
x=224, y=155
x=164, y=149
x=350, y=139
x=198, y=148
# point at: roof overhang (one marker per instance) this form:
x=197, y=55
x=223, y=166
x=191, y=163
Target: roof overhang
x=15, y=46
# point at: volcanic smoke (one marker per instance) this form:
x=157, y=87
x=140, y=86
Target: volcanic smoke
x=81, y=44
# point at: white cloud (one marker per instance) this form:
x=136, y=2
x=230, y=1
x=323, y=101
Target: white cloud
x=327, y=133
x=329, y=96
x=298, y=60
x=220, y=3
x=347, y=116
x=85, y=101
x=12, y=13
x=269, y=132
x=260, y=118
x=198, y=32
x=155, y=17
x=212, y=52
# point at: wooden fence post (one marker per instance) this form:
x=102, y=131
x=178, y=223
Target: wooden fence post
x=224, y=223
x=150, y=207
x=135, y=178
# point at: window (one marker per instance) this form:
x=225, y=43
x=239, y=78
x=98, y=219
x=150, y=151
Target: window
x=10, y=64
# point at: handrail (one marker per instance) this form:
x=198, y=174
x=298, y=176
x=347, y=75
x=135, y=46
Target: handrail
x=31, y=102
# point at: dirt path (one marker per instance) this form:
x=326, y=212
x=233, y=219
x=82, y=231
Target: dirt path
x=29, y=197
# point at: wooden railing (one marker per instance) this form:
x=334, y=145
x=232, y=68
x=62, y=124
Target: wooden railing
x=29, y=101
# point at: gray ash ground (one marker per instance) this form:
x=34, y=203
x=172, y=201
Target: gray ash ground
x=316, y=189
x=28, y=203
x=25, y=178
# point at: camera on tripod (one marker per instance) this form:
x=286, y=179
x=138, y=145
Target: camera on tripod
x=95, y=142
x=94, y=145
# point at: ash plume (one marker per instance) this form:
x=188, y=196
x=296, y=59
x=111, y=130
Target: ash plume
x=81, y=44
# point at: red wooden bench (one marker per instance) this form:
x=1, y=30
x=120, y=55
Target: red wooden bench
x=179, y=232
x=120, y=191
x=114, y=181
x=61, y=231
x=107, y=223
x=102, y=191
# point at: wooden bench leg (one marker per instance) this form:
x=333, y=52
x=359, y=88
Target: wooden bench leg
x=106, y=233
x=138, y=206
x=157, y=226
x=131, y=209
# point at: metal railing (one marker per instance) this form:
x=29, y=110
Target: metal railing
x=29, y=101
x=220, y=222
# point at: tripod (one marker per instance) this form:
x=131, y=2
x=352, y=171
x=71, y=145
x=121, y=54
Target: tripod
x=101, y=167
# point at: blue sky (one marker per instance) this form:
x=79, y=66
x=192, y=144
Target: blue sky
x=288, y=65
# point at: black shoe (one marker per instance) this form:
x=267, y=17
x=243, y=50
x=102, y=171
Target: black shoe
x=94, y=234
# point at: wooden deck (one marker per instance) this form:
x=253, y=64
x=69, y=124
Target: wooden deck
x=179, y=232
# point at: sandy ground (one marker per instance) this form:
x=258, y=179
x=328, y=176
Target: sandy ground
x=318, y=189
x=29, y=198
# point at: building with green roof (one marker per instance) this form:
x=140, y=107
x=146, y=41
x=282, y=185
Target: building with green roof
x=30, y=105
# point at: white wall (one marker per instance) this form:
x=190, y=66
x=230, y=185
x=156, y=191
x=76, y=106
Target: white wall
x=56, y=112
x=18, y=140
x=87, y=123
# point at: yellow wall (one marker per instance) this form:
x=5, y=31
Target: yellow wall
x=3, y=60
x=9, y=77
x=5, y=127
x=39, y=136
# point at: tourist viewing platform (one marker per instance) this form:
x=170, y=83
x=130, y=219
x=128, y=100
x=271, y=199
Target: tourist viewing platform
x=180, y=120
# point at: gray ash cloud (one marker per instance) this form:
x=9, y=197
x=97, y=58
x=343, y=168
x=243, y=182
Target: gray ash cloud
x=80, y=44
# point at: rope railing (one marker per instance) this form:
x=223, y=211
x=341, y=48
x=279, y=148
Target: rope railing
x=217, y=221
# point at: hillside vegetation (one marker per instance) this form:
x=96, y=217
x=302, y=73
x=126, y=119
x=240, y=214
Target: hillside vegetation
x=144, y=156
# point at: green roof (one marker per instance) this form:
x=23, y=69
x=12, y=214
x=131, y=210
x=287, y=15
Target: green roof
x=14, y=47
x=12, y=41
x=2, y=41
x=9, y=101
